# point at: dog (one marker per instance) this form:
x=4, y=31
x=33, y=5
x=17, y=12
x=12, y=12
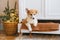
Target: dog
x=30, y=19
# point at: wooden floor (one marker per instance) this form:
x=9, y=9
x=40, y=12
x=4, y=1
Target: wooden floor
x=26, y=37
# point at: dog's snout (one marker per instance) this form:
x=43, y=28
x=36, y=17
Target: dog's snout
x=34, y=14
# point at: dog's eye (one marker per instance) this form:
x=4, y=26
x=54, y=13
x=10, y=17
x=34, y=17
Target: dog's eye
x=30, y=14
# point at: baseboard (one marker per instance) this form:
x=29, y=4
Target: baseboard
x=44, y=21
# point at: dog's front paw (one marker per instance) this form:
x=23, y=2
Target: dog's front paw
x=35, y=25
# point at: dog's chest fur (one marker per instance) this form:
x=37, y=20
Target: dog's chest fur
x=30, y=19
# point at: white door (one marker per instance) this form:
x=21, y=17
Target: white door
x=52, y=9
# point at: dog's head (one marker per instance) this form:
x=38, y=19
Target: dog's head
x=31, y=11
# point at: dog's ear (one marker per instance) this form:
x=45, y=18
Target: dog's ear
x=27, y=10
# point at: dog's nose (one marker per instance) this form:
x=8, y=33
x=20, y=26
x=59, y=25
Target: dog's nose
x=33, y=18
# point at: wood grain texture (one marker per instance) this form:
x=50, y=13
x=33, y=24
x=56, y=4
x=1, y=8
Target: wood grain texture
x=44, y=27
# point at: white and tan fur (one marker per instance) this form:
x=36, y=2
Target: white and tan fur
x=30, y=19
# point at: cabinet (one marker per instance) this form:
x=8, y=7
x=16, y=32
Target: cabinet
x=47, y=9
x=52, y=9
